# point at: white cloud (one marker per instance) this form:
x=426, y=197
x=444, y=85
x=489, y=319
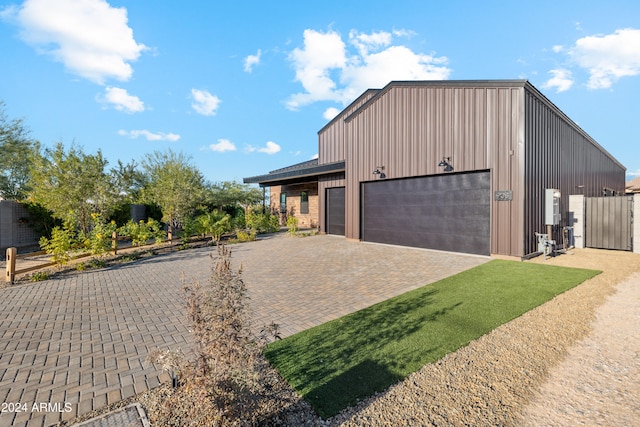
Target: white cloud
x=322, y=52
x=330, y=113
x=557, y=48
x=121, y=100
x=608, y=57
x=150, y=136
x=393, y=63
x=365, y=42
x=223, y=145
x=204, y=103
x=270, y=148
x=562, y=80
x=91, y=38
x=252, y=60
x=328, y=71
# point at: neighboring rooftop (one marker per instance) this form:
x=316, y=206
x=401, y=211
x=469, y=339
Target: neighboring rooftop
x=633, y=186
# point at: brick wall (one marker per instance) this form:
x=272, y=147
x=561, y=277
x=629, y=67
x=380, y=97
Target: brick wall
x=309, y=220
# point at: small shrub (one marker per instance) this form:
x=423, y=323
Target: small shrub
x=130, y=257
x=261, y=222
x=246, y=235
x=97, y=263
x=229, y=382
x=39, y=276
x=189, y=229
x=99, y=239
x=141, y=232
x=292, y=225
x=81, y=266
x=214, y=223
x=60, y=245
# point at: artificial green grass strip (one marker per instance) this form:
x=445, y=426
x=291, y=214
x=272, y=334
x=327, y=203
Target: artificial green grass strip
x=338, y=363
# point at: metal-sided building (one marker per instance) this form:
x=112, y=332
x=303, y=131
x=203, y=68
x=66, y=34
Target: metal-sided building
x=451, y=165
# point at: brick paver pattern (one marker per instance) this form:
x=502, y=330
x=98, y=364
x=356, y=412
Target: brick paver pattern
x=74, y=345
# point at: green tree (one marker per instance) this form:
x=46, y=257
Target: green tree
x=72, y=185
x=128, y=181
x=232, y=193
x=17, y=150
x=174, y=184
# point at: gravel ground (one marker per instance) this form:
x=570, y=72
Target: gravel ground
x=572, y=361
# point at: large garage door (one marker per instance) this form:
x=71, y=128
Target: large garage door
x=445, y=212
x=335, y=210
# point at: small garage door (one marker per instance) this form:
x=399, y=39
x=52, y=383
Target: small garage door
x=445, y=212
x=335, y=198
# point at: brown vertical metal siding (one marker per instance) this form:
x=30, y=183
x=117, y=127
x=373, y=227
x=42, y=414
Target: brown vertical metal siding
x=507, y=127
x=560, y=155
x=331, y=138
x=408, y=129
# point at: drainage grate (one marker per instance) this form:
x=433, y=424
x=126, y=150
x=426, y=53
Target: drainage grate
x=129, y=416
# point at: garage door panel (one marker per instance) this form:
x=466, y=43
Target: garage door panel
x=446, y=212
x=335, y=210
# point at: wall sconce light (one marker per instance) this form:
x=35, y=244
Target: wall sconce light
x=446, y=163
x=378, y=171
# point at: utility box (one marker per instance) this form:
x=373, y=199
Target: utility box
x=551, y=206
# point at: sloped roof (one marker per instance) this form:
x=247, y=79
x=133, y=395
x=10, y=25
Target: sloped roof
x=300, y=172
x=633, y=186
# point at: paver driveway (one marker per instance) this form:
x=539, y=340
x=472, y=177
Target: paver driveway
x=76, y=344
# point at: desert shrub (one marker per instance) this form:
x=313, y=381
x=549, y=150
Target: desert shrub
x=265, y=222
x=61, y=243
x=39, y=276
x=132, y=256
x=292, y=225
x=189, y=229
x=228, y=381
x=246, y=235
x=214, y=223
x=141, y=232
x=99, y=240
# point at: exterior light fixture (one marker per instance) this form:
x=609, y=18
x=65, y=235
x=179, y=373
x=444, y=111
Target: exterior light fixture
x=378, y=171
x=446, y=163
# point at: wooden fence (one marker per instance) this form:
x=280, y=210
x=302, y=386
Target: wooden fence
x=13, y=256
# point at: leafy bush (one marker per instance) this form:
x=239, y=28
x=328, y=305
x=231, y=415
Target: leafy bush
x=292, y=225
x=99, y=239
x=214, y=223
x=130, y=257
x=229, y=382
x=255, y=219
x=60, y=244
x=141, y=232
x=189, y=228
x=246, y=235
x=39, y=276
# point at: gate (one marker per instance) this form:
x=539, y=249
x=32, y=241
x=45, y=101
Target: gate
x=609, y=223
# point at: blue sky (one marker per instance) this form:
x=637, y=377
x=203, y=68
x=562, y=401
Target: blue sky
x=243, y=87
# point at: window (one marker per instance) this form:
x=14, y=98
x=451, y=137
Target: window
x=283, y=202
x=304, y=202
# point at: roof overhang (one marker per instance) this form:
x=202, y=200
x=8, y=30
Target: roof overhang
x=300, y=175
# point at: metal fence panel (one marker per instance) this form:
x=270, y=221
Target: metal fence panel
x=609, y=222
